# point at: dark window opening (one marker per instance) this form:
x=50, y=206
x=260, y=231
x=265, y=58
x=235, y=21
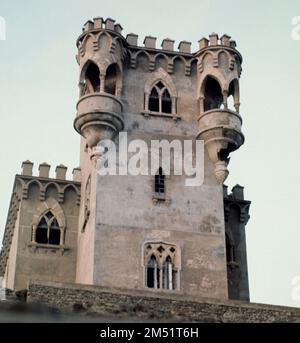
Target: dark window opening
x=154, y=101
x=152, y=273
x=42, y=232
x=160, y=99
x=166, y=102
x=160, y=85
x=213, y=97
x=92, y=79
x=160, y=182
x=111, y=79
x=231, y=88
x=48, y=230
x=54, y=234
x=231, y=95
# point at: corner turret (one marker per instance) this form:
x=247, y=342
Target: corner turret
x=219, y=65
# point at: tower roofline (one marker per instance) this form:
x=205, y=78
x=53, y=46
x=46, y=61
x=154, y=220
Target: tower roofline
x=131, y=40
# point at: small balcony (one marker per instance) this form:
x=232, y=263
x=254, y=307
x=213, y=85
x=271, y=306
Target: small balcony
x=221, y=123
x=99, y=116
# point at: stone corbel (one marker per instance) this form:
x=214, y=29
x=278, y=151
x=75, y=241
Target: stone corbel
x=170, y=67
x=42, y=194
x=60, y=197
x=226, y=212
x=187, y=70
x=25, y=193
x=152, y=64
x=244, y=214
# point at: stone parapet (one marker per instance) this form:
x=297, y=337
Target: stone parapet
x=166, y=306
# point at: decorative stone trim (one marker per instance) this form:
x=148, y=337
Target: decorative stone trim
x=243, y=205
x=147, y=113
x=43, y=183
x=47, y=248
x=160, y=198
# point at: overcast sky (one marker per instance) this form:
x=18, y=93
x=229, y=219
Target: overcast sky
x=38, y=93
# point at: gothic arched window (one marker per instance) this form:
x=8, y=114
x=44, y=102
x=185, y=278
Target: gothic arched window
x=91, y=82
x=154, y=100
x=153, y=273
x=213, y=97
x=48, y=230
x=160, y=99
x=111, y=79
x=160, y=182
x=161, y=266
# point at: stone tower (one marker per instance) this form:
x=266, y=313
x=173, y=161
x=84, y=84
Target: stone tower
x=152, y=231
x=148, y=231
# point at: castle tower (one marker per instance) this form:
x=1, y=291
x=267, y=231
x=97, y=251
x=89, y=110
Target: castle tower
x=40, y=238
x=152, y=231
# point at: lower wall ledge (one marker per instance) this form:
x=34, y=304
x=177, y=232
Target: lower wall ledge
x=144, y=305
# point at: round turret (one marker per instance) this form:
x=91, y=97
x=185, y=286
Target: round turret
x=100, y=56
x=219, y=99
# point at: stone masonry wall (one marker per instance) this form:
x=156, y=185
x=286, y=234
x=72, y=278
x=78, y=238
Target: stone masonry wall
x=147, y=305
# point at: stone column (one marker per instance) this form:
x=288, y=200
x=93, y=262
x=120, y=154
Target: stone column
x=225, y=95
x=155, y=276
x=102, y=83
x=62, y=234
x=201, y=104
x=174, y=99
x=146, y=108
x=170, y=286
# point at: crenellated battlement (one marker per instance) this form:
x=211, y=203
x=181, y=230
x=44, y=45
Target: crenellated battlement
x=167, y=45
x=44, y=171
x=99, y=23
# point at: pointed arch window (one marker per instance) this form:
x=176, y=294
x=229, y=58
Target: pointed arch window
x=166, y=102
x=153, y=273
x=162, y=266
x=48, y=230
x=154, y=100
x=213, y=97
x=160, y=99
x=111, y=79
x=90, y=81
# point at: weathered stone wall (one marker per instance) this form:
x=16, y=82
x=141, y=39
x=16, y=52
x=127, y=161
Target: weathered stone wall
x=126, y=217
x=28, y=260
x=10, y=270
x=145, y=305
x=86, y=222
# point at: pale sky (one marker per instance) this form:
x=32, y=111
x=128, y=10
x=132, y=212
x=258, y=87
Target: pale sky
x=38, y=93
